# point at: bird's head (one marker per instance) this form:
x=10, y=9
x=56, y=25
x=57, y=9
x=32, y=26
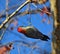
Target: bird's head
x=21, y=29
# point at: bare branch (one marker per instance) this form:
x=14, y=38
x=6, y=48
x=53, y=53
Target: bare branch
x=27, y=12
x=14, y=13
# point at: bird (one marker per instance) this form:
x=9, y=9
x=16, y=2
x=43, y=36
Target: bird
x=5, y=48
x=32, y=32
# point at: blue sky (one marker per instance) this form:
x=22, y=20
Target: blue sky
x=36, y=21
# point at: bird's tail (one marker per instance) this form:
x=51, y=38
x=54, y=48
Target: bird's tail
x=45, y=38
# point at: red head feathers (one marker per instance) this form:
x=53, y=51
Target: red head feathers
x=21, y=30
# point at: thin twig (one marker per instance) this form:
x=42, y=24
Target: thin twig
x=14, y=13
x=27, y=12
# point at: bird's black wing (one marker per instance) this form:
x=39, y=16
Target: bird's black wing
x=42, y=36
x=32, y=32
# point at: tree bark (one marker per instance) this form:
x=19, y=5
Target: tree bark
x=55, y=7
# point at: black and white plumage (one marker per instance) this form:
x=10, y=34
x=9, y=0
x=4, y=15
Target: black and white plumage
x=32, y=32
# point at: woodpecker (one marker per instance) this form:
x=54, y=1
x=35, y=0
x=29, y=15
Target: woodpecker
x=32, y=32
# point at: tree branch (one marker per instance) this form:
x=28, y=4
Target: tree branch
x=23, y=13
x=27, y=12
x=14, y=13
